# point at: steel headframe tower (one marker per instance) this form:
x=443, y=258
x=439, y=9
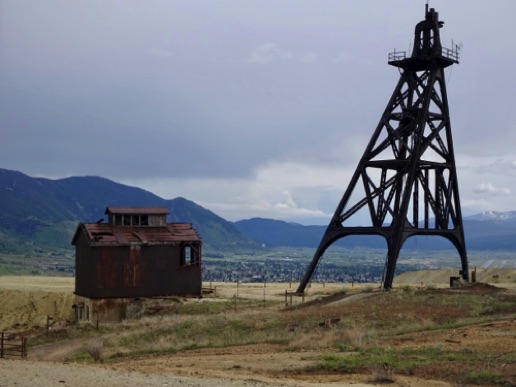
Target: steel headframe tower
x=406, y=183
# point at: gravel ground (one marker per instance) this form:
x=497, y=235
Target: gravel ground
x=20, y=373
x=26, y=373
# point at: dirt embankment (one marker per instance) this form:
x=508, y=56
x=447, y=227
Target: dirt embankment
x=26, y=302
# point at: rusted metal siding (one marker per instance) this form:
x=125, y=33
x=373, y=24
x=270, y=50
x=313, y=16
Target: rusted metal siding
x=134, y=270
x=85, y=264
x=103, y=234
x=106, y=269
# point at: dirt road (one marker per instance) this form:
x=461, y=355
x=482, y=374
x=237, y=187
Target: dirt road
x=26, y=373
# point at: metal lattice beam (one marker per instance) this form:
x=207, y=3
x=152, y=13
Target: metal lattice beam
x=405, y=184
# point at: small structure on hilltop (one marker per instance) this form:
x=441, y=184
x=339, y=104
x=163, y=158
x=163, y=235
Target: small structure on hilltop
x=135, y=254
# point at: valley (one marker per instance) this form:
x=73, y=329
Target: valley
x=280, y=264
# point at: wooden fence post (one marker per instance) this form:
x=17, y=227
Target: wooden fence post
x=24, y=347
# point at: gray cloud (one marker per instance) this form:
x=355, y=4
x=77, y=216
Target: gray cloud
x=194, y=91
x=491, y=189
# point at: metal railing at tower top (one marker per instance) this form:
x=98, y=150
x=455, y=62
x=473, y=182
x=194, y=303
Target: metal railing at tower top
x=397, y=55
x=452, y=54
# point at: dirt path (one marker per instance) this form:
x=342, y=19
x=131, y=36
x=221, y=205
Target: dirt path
x=250, y=365
x=216, y=369
x=20, y=373
x=265, y=364
x=259, y=365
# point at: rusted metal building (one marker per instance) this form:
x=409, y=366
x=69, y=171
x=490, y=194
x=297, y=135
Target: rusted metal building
x=135, y=254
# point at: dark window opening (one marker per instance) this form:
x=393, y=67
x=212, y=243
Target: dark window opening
x=131, y=220
x=190, y=255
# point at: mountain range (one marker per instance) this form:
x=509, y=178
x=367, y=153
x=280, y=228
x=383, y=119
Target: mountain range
x=44, y=213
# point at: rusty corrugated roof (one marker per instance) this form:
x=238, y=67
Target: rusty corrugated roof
x=137, y=210
x=103, y=234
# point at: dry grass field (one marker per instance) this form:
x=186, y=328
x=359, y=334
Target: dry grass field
x=422, y=333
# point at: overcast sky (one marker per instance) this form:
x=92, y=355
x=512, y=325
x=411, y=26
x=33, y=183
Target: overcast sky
x=250, y=108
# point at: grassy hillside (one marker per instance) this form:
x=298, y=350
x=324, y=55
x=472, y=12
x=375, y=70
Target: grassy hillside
x=409, y=336
x=507, y=277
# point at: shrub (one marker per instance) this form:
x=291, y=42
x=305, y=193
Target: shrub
x=382, y=373
x=354, y=337
x=94, y=349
